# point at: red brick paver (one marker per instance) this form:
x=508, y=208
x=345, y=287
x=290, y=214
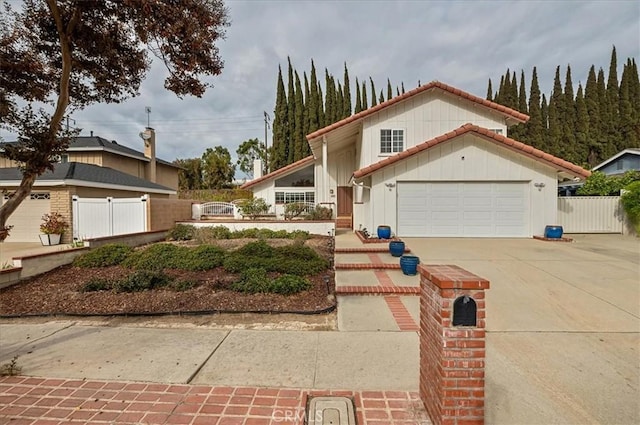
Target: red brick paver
x=35, y=401
x=401, y=314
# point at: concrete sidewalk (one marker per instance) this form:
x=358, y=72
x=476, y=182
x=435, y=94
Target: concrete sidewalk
x=290, y=359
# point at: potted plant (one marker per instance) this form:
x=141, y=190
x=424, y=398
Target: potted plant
x=53, y=226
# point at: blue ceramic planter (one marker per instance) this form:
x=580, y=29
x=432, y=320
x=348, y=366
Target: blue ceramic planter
x=384, y=232
x=396, y=248
x=409, y=264
x=553, y=232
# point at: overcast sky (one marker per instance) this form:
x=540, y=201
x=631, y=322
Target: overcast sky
x=461, y=43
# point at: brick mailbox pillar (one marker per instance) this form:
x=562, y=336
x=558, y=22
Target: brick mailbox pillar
x=452, y=344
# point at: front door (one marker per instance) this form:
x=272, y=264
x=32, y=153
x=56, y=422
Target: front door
x=345, y=201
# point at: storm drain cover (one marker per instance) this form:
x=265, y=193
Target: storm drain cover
x=331, y=411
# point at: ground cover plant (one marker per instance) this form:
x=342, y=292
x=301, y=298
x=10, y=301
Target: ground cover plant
x=283, y=273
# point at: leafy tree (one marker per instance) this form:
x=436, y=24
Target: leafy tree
x=249, y=151
x=67, y=55
x=592, y=104
x=581, y=127
x=190, y=173
x=217, y=169
x=381, y=98
x=599, y=184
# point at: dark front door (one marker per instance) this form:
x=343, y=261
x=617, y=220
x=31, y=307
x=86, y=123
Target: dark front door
x=345, y=201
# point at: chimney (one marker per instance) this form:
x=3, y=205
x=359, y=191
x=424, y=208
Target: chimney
x=149, y=138
x=257, y=168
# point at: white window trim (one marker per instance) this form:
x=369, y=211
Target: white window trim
x=294, y=190
x=404, y=142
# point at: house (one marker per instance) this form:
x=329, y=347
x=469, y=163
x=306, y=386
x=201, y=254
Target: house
x=617, y=165
x=92, y=167
x=620, y=163
x=434, y=161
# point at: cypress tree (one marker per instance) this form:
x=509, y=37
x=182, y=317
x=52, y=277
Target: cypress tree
x=581, y=128
x=499, y=97
x=365, y=104
x=489, y=91
x=314, y=100
x=592, y=104
x=298, y=133
x=339, y=103
x=346, y=94
x=329, y=98
x=358, y=99
x=291, y=115
x=522, y=95
x=277, y=158
x=628, y=135
x=634, y=94
x=605, y=115
x=613, y=135
x=534, y=133
x=402, y=87
x=513, y=88
x=544, y=111
x=389, y=90
x=397, y=91
x=373, y=93
x=568, y=120
x=554, y=140
x=305, y=129
x=321, y=117
x=381, y=98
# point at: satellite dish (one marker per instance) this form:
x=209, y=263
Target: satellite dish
x=144, y=136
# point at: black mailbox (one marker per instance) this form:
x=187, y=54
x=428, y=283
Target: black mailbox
x=464, y=311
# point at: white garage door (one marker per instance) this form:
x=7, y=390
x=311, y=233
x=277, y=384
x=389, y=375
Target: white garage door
x=463, y=209
x=27, y=218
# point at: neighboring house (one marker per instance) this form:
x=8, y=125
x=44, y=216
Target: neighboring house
x=620, y=163
x=435, y=161
x=617, y=165
x=92, y=167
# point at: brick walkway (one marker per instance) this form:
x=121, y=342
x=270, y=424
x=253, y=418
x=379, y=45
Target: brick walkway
x=41, y=401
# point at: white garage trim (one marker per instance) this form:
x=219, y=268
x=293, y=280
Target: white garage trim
x=463, y=209
x=27, y=217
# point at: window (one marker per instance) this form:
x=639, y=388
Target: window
x=289, y=197
x=391, y=141
x=496, y=130
x=301, y=178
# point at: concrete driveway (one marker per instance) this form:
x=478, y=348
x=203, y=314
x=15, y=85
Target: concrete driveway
x=563, y=325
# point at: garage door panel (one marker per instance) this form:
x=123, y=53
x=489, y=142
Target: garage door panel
x=459, y=209
x=27, y=217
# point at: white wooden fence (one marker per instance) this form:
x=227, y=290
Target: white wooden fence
x=97, y=217
x=590, y=214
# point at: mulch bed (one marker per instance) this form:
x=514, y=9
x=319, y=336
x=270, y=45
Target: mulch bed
x=58, y=293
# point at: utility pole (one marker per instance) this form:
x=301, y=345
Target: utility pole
x=267, y=120
x=70, y=119
x=147, y=109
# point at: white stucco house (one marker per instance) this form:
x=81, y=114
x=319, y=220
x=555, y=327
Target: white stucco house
x=433, y=162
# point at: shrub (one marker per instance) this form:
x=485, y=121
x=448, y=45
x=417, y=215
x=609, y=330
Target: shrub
x=258, y=248
x=181, y=232
x=156, y=257
x=630, y=200
x=320, y=213
x=252, y=281
x=104, y=256
x=208, y=234
x=254, y=207
x=183, y=285
x=97, y=284
x=299, y=234
x=599, y=184
x=287, y=285
x=142, y=280
x=294, y=209
x=204, y=257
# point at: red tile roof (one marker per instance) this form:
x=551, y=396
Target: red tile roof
x=518, y=116
x=498, y=139
x=291, y=167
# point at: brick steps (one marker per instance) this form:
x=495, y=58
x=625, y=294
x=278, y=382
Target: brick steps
x=364, y=250
x=344, y=222
x=367, y=266
x=377, y=290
